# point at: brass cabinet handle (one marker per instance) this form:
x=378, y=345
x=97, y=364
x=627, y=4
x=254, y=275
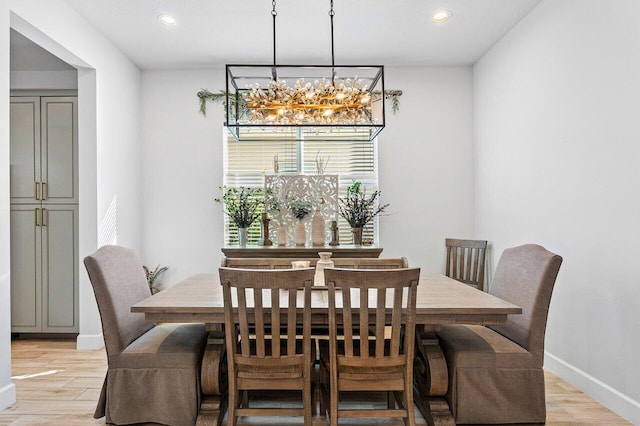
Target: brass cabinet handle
x=36, y=190
x=35, y=216
x=42, y=216
x=43, y=195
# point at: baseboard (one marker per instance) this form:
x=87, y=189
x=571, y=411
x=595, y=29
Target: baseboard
x=611, y=398
x=7, y=396
x=89, y=342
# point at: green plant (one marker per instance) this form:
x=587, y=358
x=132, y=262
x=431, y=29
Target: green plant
x=300, y=208
x=273, y=205
x=153, y=277
x=357, y=208
x=242, y=204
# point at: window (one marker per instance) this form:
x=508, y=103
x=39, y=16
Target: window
x=247, y=162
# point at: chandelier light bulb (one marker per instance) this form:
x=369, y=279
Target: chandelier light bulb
x=324, y=102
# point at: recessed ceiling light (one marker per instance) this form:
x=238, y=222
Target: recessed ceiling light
x=167, y=19
x=442, y=16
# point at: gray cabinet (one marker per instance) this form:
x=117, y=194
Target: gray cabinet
x=44, y=269
x=44, y=150
x=44, y=215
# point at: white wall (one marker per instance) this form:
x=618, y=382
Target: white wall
x=109, y=142
x=182, y=170
x=558, y=155
x=426, y=164
x=7, y=389
x=49, y=80
x=425, y=172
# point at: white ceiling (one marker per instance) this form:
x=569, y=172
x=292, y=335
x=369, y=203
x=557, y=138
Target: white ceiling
x=377, y=32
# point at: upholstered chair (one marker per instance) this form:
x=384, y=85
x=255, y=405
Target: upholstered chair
x=495, y=372
x=153, y=370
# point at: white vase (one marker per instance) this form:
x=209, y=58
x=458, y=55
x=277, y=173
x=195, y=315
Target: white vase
x=242, y=236
x=317, y=229
x=282, y=235
x=300, y=234
x=324, y=262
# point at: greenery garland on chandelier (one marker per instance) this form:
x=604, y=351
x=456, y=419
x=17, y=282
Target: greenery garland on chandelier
x=206, y=96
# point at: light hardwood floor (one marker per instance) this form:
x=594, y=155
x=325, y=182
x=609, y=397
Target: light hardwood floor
x=58, y=385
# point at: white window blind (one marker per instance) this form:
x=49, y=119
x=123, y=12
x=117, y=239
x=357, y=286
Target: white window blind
x=246, y=163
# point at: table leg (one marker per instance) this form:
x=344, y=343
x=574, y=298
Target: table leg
x=431, y=379
x=213, y=379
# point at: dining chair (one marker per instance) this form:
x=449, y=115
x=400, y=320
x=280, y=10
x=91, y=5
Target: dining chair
x=495, y=371
x=268, y=337
x=466, y=260
x=153, y=373
x=371, y=340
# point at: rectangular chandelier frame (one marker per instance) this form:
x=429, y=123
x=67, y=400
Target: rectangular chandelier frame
x=241, y=114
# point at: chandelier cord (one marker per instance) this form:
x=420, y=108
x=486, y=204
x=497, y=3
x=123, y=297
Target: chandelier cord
x=331, y=15
x=274, y=14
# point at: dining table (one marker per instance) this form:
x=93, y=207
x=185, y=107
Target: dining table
x=440, y=300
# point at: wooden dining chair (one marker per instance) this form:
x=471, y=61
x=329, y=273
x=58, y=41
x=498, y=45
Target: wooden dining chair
x=153, y=373
x=371, y=340
x=266, y=312
x=495, y=371
x=466, y=260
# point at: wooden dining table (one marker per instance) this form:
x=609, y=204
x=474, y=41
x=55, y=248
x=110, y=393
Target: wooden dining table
x=441, y=300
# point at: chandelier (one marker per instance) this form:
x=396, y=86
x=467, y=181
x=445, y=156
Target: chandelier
x=304, y=102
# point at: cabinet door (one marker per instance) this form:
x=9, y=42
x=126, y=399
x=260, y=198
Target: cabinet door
x=26, y=272
x=25, y=149
x=59, y=149
x=60, y=269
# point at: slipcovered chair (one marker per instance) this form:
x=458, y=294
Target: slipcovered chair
x=495, y=372
x=153, y=371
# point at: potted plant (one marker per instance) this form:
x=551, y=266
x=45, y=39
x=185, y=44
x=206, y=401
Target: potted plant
x=243, y=205
x=153, y=277
x=300, y=209
x=358, y=209
x=273, y=207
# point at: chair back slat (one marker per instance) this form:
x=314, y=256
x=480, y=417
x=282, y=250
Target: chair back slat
x=291, y=323
x=257, y=298
x=347, y=320
x=396, y=321
x=363, y=330
x=244, y=323
x=466, y=261
x=380, y=323
x=275, y=321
